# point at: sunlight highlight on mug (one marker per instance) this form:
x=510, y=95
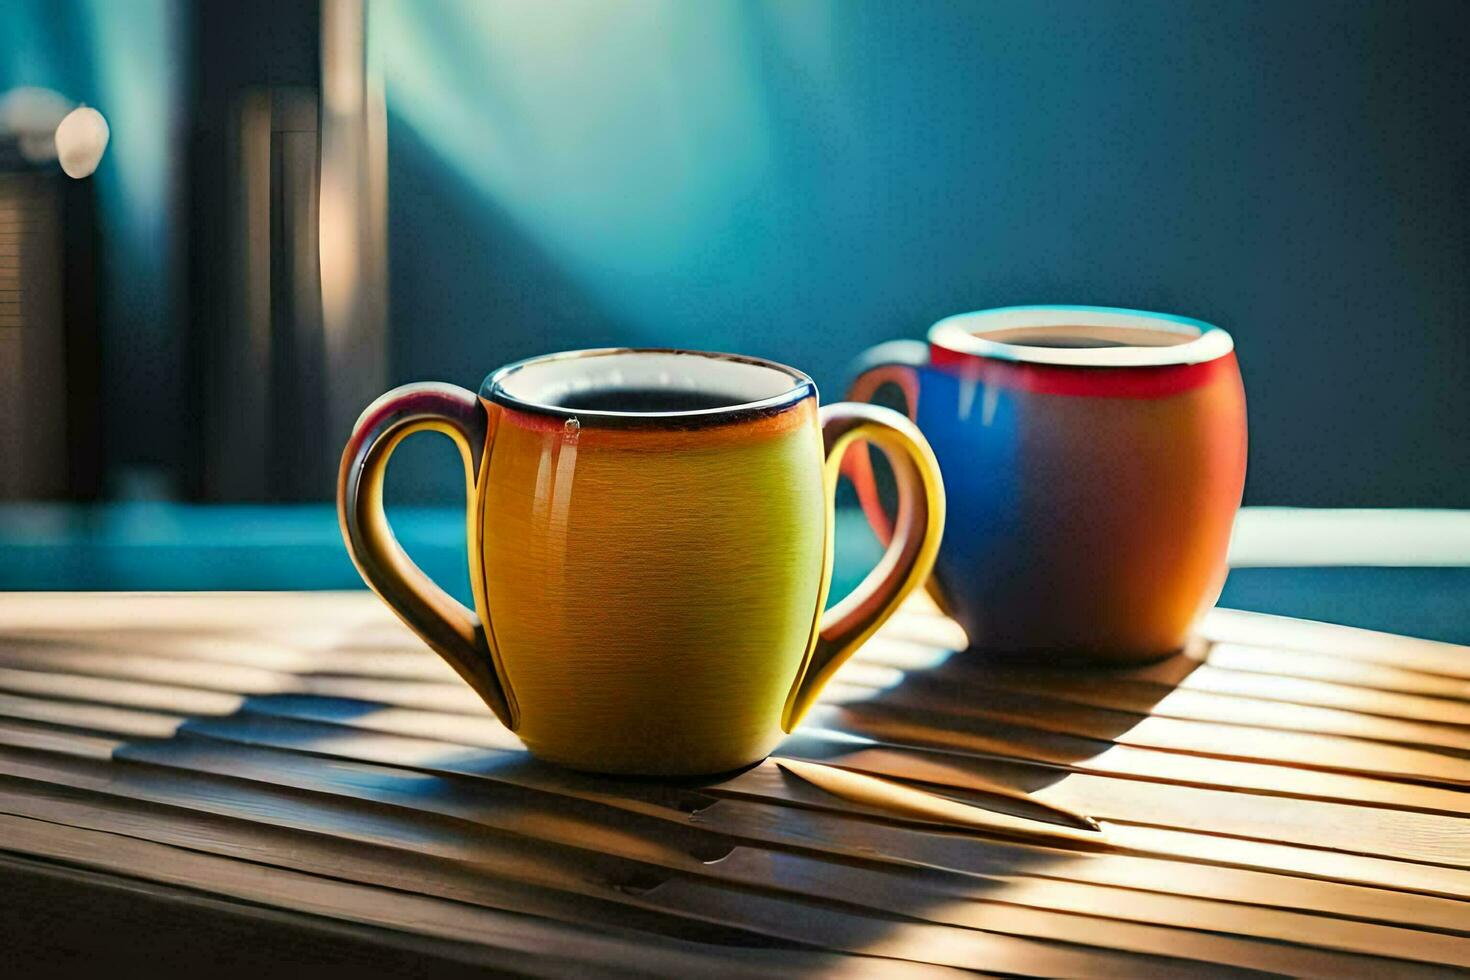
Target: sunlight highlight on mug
x=651, y=538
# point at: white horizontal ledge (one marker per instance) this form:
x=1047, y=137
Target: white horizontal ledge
x=1283, y=536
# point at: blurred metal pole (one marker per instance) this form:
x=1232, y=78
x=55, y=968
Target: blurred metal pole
x=50, y=425
x=266, y=371
x=32, y=342
x=289, y=243
x=353, y=219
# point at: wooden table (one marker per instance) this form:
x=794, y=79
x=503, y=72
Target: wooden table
x=234, y=782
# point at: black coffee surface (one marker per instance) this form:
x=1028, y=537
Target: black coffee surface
x=646, y=400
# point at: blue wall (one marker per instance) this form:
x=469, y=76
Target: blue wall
x=800, y=180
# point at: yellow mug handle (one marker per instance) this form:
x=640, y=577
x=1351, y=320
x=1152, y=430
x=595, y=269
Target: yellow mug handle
x=453, y=631
x=906, y=563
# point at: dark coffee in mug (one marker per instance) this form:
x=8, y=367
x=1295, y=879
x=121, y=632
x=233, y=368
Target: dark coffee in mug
x=645, y=400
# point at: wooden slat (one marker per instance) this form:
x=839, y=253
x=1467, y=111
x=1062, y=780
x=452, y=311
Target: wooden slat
x=485, y=731
x=1191, y=879
x=441, y=752
x=1323, y=667
x=1344, y=642
x=1349, y=684
x=444, y=751
x=770, y=915
x=1402, y=835
x=408, y=663
x=1062, y=738
x=898, y=890
x=1186, y=702
x=313, y=614
x=954, y=770
x=1294, y=690
x=62, y=920
x=1430, y=880
x=535, y=943
x=783, y=871
x=1316, y=826
x=1170, y=734
x=1287, y=798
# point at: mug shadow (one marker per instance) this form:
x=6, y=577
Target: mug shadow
x=363, y=761
x=751, y=860
x=741, y=861
x=1026, y=722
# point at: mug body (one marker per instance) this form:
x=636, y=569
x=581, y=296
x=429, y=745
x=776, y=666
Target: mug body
x=650, y=579
x=1094, y=460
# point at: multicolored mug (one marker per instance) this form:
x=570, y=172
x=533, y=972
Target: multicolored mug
x=650, y=545
x=1094, y=460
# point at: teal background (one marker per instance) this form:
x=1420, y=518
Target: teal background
x=800, y=180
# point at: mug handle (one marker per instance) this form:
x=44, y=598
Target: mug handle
x=911, y=547
x=451, y=630
x=889, y=363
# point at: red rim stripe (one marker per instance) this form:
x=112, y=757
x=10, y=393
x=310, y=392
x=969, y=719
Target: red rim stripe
x=1096, y=382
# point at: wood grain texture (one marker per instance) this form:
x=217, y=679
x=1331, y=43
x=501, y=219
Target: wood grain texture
x=290, y=767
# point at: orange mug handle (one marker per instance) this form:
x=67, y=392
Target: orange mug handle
x=895, y=362
x=912, y=544
x=453, y=631
x=891, y=363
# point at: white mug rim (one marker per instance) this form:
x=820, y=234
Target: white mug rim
x=1184, y=340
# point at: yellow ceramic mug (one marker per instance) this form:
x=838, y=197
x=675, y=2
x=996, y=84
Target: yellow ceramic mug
x=650, y=541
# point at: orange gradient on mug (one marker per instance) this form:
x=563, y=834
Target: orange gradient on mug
x=1094, y=459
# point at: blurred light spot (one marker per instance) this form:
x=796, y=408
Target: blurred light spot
x=338, y=242
x=31, y=114
x=342, y=30
x=81, y=139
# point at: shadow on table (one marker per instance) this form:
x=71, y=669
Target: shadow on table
x=1021, y=722
x=740, y=862
x=400, y=781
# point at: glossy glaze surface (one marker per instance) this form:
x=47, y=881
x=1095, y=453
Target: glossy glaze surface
x=649, y=585
x=1089, y=507
x=653, y=588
